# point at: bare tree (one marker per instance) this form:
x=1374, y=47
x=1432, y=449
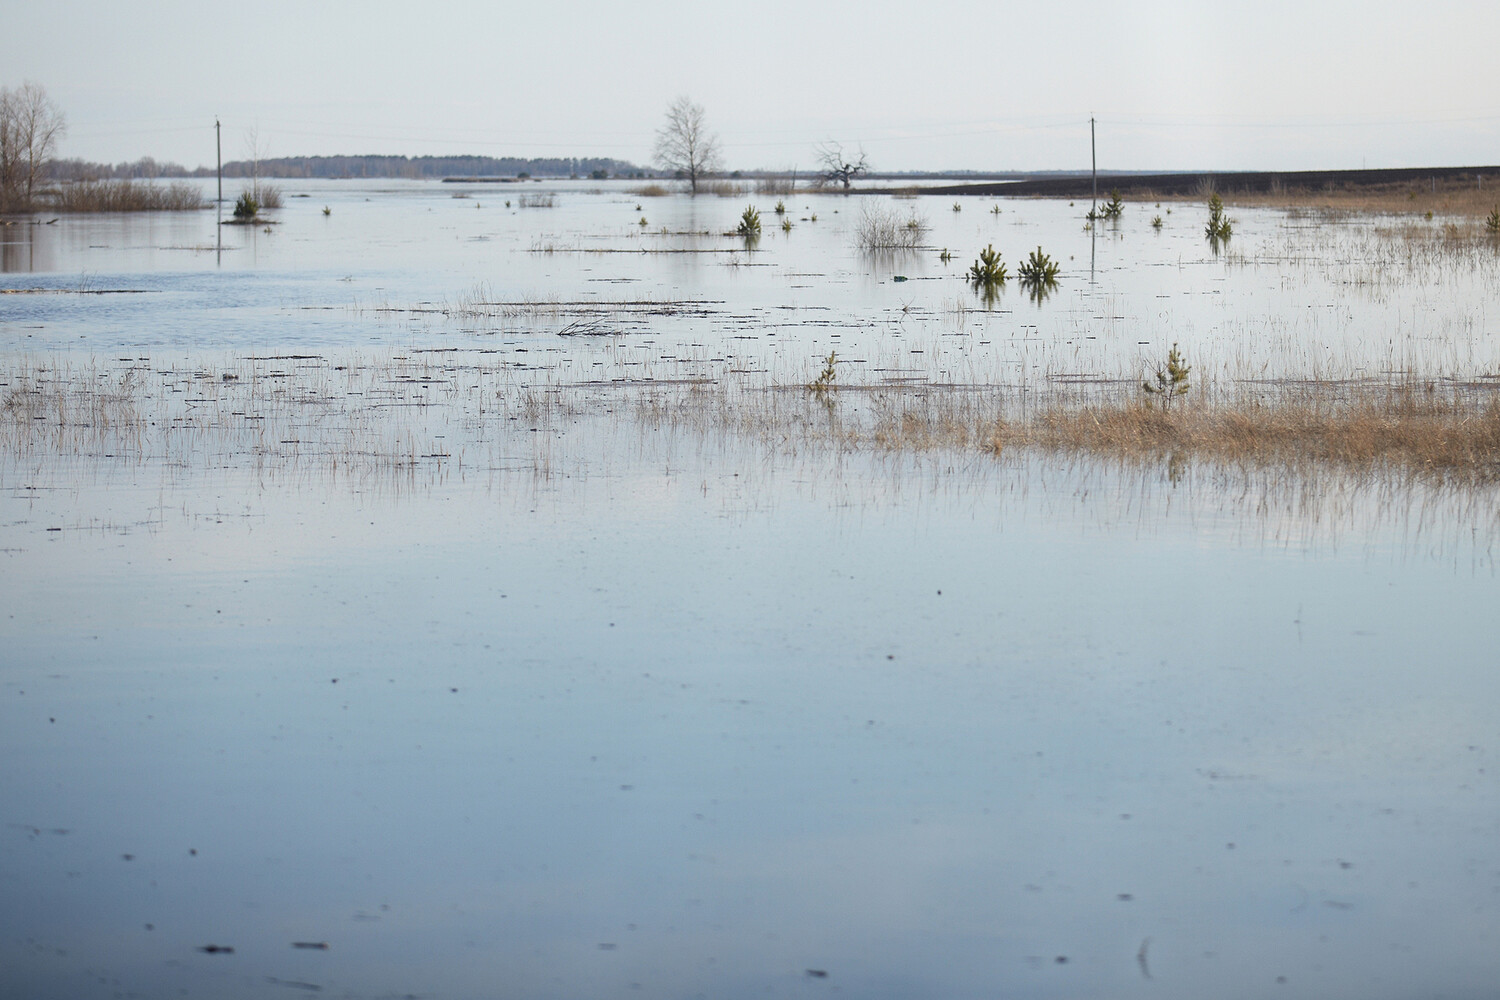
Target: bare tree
x=257, y=149
x=837, y=166
x=30, y=127
x=684, y=143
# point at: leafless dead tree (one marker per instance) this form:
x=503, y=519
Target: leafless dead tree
x=30, y=127
x=685, y=145
x=837, y=166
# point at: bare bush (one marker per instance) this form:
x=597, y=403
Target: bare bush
x=786, y=184
x=124, y=196
x=883, y=228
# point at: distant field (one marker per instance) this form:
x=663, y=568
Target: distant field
x=1447, y=190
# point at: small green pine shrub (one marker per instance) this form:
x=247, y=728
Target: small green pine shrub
x=781, y=208
x=988, y=270
x=246, y=207
x=749, y=222
x=1219, y=227
x=1171, y=379
x=824, y=382
x=1039, y=269
x=1493, y=222
x=1113, y=208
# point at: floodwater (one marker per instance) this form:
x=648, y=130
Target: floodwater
x=477, y=659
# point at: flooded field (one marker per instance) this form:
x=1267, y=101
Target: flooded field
x=458, y=592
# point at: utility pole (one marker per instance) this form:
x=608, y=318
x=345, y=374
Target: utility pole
x=219, y=158
x=1094, y=161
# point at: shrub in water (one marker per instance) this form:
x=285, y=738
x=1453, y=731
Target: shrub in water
x=1218, y=227
x=825, y=381
x=749, y=222
x=246, y=207
x=1039, y=269
x=1172, y=380
x=881, y=228
x=988, y=270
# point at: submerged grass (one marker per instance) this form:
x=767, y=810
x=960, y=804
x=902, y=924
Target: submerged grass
x=403, y=410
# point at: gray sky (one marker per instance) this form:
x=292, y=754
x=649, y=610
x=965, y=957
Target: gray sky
x=945, y=84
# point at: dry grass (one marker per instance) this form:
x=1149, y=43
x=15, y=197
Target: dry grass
x=437, y=410
x=722, y=188
x=1451, y=198
x=124, y=196
x=1449, y=432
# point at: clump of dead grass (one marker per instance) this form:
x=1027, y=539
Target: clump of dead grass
x=1451, y=432
x=1469, y=197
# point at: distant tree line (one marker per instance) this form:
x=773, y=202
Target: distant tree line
x=339, y=167
x=144, y=168
x=422, y=167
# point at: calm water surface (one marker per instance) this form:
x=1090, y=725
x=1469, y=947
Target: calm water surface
x=678, y=714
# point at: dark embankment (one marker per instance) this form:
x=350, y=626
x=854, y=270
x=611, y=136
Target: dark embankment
x=1232, y=182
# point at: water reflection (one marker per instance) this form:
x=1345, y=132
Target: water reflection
x=25, y=248
x=1040, y=289
x=660, y=699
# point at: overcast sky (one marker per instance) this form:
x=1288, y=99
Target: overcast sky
x=928, y=86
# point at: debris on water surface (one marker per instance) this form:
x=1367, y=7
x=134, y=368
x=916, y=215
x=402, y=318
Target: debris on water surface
x=294, y=984
x=217, y=949
x=311, y=945
x=817, y=973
